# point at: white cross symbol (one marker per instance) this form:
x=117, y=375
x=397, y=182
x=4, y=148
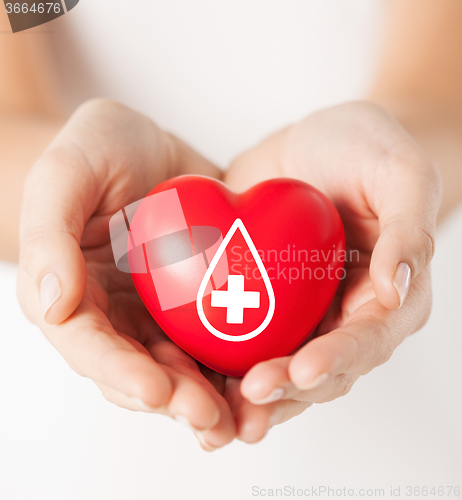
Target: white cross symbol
x=235, y=299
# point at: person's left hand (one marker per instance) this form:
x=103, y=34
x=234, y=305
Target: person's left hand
x=388, y=195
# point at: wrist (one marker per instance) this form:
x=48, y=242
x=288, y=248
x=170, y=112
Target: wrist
x=437, y=128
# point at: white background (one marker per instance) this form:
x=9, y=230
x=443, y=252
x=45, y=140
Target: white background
x=223, y=75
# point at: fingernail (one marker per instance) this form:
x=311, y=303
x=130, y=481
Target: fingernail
x=274, y=395
x=402, y=280
x=50, y=291
x=184, y=421
x=319, y=380
x=205, y=446
x=142, y=405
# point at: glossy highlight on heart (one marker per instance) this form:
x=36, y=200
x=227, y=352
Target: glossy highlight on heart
x=235, y=279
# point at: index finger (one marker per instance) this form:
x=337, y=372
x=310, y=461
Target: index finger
x=93, y=349
x=367, y=339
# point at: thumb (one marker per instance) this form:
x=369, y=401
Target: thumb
x=407, y=209
x=51, y=226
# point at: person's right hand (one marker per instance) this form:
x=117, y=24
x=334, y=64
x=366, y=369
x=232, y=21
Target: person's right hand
x=106, y=157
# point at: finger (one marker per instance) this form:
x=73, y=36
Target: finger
x=191, y=403
x=66, y=186
x=365, y=341
x=328, y=389
x=253, y=422
x=72, y=179
x=357, y=346
x=407, y=197
x=274, y=376
x=223, y=432
x=195, y=401
x=123, y=401
x=59, y=196
x=180, y=390
x=267, y=381
x=93, y=349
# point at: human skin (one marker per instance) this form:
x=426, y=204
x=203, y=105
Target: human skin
x=106, y=157
x=388, y=194
x=31, y=113
x=419, y=80
x=431, y=112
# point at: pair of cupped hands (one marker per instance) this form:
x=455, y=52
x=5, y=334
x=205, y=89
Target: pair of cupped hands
x=108, y=156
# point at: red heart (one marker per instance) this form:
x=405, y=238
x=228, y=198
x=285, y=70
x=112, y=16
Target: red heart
x=256, y=299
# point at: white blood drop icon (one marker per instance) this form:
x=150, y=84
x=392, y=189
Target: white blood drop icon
x=236, y=299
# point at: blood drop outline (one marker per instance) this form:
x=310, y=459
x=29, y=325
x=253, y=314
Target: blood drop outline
x=237, y=224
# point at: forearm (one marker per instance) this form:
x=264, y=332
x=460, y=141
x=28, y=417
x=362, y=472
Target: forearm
x=31, y=111
x=440, y=134
x=420, y=80
x=22, y=140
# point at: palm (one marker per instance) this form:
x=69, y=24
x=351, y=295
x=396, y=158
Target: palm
x=114, y=295
x=107, y=156
x=361, y=159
